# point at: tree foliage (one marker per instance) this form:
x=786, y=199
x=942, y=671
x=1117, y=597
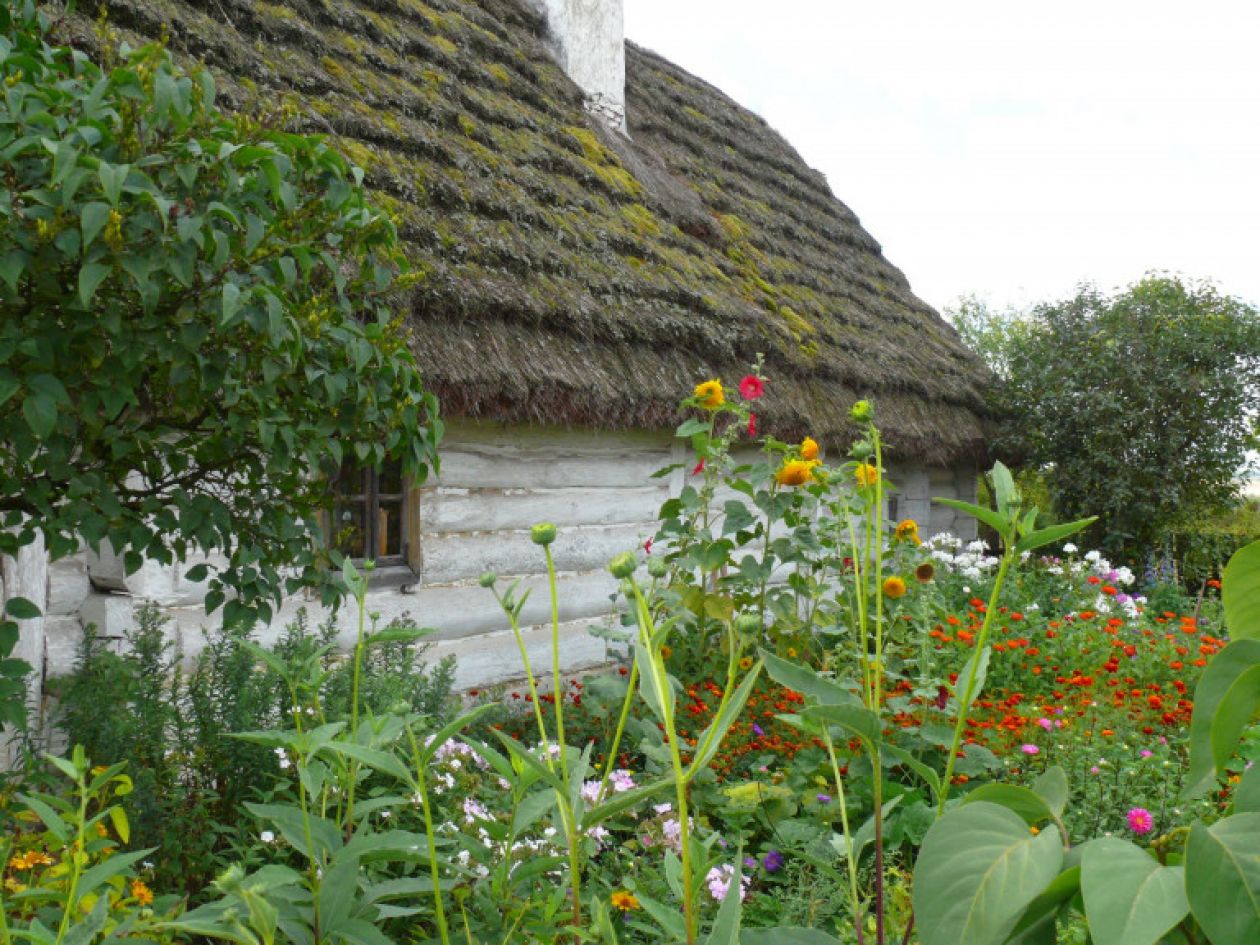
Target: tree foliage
x=1138, y=406
x=195, y=321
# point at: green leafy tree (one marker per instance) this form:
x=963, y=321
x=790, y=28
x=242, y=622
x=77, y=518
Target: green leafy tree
x=195, y=321
x=1139, y=406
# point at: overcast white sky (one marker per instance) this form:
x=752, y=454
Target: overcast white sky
x=1010, y=149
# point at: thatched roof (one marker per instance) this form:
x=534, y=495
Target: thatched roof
x=572, y=276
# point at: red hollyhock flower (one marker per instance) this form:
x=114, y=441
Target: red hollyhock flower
x=751, y=387
x=647, y=546
x=699, y=468
x=752, y=424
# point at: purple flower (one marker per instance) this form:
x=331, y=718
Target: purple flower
x=824, y=798
x=750, y=863
x=758, y=730
x=772, y=861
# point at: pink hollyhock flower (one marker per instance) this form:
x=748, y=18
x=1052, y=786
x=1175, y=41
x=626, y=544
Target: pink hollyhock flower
x=751, y=387
x=1140, y=820
x=1030, y=749
x=752, y=424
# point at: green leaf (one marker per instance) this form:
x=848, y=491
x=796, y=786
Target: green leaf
x=691, y=427
x=1052, y=787
x=40, y=412
x=1227, y=668
x=787, y=935
x=1028, y=805
x=1048, y=536
x=1130, y=899
x=231, y=302
x=709, y=742
x=1223, y=879
x=978, y=512
x=1240, y=593
x=808, y=683
x=19, y=608
x=1247, y=793
x=1037, y=926
x=623, y=801
x=90, y=278
x=372, y=757
x=92, y=219
x=452, y=728
x=112, y=177
x=978, y=870
x=856, y=720
x=116, y=864
x=977, y=662
x=1004, y=490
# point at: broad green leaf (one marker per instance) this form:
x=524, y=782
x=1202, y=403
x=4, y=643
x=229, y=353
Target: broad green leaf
x=92, y=219
x=113, y=866
x=40, y=412
x=1037, y=926
x=926, y=772
x=112, y=177
x=978, y=870
x=1234, y=713
x=90, y=278
x=1247, y=793
x=623, y=801
x=1240, y=593
x=1004, y=490
x=1027, y=804
x=529, y=760
x=857, y=721
x=1048, y=536
x=1052, y=787
x=1226, y=668
x=787, y=935
x=669, y=918
x=1223, y=879
x=978, y=512
x=19, y=608
x=372, y=757
x=808, y=683
x=451, y=729
x=1130, y=899
x=977, y=663
x=56, y=826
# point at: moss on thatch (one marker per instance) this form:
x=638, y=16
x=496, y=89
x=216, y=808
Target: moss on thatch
x=574, y=276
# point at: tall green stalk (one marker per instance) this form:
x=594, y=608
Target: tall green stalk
x=422, y=789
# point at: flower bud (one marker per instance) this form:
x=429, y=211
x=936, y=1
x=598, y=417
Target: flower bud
x=748, y=625
x=657, y=567
x=487, y=580
x=862, y=411
x=623, y=565
x=860, y=450
x=544, y=533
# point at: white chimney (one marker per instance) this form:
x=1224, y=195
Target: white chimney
x=588, y=40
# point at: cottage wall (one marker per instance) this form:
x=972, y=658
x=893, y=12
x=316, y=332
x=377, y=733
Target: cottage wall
x=496, y=481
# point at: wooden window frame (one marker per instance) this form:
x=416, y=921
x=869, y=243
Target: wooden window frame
x=408, y=502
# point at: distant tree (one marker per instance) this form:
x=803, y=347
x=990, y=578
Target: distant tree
x=195, y=321
x=1138, y=407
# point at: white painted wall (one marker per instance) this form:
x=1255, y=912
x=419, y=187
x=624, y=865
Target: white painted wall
x=587, y=39
x=496, y=482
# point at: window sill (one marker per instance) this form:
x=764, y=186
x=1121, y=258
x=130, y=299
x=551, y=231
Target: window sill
x=388, y=577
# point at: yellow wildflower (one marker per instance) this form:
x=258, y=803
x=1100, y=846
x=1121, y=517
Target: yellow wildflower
x=866, y=475
x=19, y=863
x=894, y=587
x=709, y=395
x=745, y=663
x=809, y=448
x=624, y=900
x=141, y=893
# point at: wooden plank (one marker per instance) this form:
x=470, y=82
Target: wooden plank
x=483, y=510
x=455, y=557
x=478, y=466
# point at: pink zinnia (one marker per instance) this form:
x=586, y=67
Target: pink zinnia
x=1030, y=749
x=1140, y=820
x=1046, y=724
x=751, y=387
x=752, y=424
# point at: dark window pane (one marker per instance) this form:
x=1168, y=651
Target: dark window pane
x=390, y=529
x=349, y=527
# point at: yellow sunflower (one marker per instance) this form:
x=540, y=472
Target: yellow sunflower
x=709, y=395
x=809, y=448
x=866, y=475
x=795, y=472
x=894, y=587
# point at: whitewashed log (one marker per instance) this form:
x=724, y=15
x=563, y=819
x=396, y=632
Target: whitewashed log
x=26, y=575
x=484, y=467
x=63, y=638
x=483, y=510
x=68, y=584
x=455, y=557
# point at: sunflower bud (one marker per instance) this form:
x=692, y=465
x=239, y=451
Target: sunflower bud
x=748, y=625
x=544, y=533
x=623, y=565
x=487, y=580
x=657, y=567
x=862, y=412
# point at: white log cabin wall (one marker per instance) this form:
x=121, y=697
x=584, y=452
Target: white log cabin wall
x=496, y=481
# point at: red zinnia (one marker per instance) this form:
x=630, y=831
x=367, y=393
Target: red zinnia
x=751, y=387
